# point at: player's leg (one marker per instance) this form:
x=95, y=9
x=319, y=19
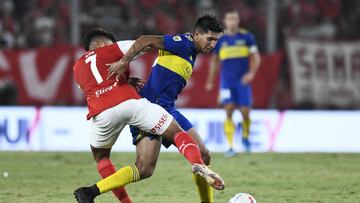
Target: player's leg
x=106, y=168
x=228, y=101
x=229, y=127
x=171, y=131
x=244, y=103
x=205, y=153
x=246, y=123
x=150, y=118
x=105, y=131
x=157, y=120
x=106, y=128
x=147, y=153
x=186, y=125
x=190, y=150
x=245, y=112
x=204, y=189
x=148, y=165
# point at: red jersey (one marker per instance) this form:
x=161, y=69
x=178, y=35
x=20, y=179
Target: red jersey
x=90, y=72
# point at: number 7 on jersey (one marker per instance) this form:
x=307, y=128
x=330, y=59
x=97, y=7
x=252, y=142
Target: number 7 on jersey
x=94, y=69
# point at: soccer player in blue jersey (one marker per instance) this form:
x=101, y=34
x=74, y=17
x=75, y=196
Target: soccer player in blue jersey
x=172, y=69
x=238, y=56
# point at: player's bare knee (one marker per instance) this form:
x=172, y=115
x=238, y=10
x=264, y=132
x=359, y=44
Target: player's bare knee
x=229, y=109
x=147, y=173
x=145, y=170
x=99, y=154
x=173, y=129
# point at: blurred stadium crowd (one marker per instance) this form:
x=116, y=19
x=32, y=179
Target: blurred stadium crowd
x=33, y=23
x=44, y=23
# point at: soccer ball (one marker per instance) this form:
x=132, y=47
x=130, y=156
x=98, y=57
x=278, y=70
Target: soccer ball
x=242, y=198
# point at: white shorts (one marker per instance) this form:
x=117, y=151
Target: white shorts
x=107, y=125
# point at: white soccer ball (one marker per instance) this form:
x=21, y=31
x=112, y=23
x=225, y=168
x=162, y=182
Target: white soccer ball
x=6, y=174
x=242, y=198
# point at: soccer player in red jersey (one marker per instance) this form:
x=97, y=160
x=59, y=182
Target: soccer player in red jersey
x=112, y=104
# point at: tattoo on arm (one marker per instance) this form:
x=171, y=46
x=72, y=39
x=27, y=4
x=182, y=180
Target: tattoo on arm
x=142, y=45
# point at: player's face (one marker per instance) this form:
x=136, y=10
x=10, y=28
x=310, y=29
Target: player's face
x=231, y=20
x=205, y=42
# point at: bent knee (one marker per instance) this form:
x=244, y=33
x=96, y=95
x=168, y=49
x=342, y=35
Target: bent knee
x=145, y=170
x=99, y=154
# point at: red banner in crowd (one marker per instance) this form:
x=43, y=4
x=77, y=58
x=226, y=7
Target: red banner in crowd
x=43, y=76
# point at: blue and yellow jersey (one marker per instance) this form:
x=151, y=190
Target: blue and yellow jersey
x=234, y=52
x=172, y=68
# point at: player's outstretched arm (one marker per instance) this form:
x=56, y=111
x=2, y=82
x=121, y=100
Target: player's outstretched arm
x=214, y=65
x=143, y=44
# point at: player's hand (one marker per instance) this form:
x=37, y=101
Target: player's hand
x=117, y=68
x=137, y=83
x=247, y=78
x=209, y=86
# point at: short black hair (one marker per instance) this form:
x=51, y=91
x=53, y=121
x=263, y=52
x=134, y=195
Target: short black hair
x=208, y=23
x=97, y=32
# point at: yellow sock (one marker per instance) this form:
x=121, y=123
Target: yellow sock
x=246, y=128
x=204, y=189
x=122, y=177
x=229, y=129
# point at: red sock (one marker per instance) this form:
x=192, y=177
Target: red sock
x=188, y=147
x=105, y=169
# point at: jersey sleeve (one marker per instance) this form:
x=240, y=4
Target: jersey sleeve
x=251, y=43
x=125, y=45
x=175, y=44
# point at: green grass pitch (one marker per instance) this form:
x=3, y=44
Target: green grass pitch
x=270, y=177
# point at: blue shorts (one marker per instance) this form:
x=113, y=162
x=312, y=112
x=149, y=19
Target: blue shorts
x=240, y=95
x=181, y=119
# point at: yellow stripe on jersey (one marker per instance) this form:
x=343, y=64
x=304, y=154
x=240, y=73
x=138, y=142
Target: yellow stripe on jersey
x=229, y=52
x=243, y=31
x=175, y=63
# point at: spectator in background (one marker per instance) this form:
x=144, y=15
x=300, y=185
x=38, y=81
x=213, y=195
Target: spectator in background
x=8, y=25
x=33, y=23
x=313, y=25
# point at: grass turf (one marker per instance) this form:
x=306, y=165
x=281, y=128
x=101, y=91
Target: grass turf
x=271, y=178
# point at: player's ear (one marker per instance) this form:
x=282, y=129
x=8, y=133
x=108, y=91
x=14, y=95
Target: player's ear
x=196, y=35
x=101, y=43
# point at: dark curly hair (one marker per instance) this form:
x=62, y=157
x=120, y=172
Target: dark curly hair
x=208, y=23
x=98, y=32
